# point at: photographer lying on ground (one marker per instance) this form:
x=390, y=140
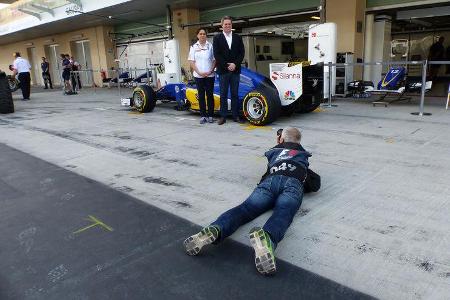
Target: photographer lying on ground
x=281, y=188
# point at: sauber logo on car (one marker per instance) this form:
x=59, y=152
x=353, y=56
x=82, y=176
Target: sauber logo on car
x=283, y=75
x=275, y=75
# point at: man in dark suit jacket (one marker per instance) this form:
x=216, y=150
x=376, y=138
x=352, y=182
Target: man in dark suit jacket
x=229, y=52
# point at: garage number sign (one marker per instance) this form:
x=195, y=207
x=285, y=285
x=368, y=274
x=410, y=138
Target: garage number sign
x=288, y=81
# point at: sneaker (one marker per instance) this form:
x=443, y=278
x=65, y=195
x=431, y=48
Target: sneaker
x=203, y=120
x=210, y=120
x=263, y=246
x=196, y=242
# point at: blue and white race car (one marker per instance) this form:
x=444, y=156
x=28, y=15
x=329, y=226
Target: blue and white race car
x=291, y=88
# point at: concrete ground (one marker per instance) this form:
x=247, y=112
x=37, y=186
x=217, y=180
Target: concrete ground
x=379, y=224
x=69, y=237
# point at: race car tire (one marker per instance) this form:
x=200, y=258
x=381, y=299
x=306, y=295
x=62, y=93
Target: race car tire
x=13, y=83
x=144, y=98
x=6, y=100
x=261, y=106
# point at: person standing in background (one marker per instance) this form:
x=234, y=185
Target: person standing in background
x=437, y=52
x=229, y=52
x=66, y=67
x=45, y=66
x=447, y=71
x=201, y=58
x=75, y=76
x=22, y=67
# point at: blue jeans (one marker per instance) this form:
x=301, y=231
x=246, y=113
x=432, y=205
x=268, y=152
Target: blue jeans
x=281, y=193
x=229, y=81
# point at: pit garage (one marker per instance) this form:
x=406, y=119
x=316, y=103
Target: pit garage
x=268, y=38
x=406, y=33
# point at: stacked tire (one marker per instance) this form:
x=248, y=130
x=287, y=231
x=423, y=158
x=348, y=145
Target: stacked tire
x=6, y=101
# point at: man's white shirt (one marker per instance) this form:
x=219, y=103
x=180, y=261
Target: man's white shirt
x=229, y=39
x=21, y=65
x=203, y=57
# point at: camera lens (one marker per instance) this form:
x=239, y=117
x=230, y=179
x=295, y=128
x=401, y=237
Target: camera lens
x=279, y=131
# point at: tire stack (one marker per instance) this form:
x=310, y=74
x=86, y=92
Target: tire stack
x=6, y=101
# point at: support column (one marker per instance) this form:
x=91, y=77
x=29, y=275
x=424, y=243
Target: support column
x=349, y=18
x=106, y=48
x=381, y=44
x=368, y=45
x=187, y=35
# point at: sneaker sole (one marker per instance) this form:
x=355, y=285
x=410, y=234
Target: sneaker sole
x=264, y=260
x=196, y=242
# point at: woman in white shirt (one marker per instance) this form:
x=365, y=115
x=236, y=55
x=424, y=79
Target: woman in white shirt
x=201, y=58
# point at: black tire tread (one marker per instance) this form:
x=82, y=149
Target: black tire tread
x=6, y=100
x=150, y=95
x=273, y=102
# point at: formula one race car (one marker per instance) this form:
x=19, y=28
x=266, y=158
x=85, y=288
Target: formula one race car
x=394, y=85
x=291, y=88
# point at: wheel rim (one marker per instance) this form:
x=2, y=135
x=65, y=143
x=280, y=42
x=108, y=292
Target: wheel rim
x=255, y=108
x=138, y=99
x=12, y=85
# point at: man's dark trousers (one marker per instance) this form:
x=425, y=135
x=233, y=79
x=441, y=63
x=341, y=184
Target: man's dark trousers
x=229, y=81
x=281, y=193
x=25, y=81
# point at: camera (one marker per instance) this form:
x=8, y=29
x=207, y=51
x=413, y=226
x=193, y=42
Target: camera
x=279, y=131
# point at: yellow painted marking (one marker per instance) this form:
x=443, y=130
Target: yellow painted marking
x=390, y=140
x=135, y=113
x=253, y=127
x=95, y=223
x=318, y=109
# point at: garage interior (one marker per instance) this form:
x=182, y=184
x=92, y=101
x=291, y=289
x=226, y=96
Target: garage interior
x=267, y=39
x=418, y=28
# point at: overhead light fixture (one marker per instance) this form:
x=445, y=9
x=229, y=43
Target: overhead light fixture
x=29, y=44
x=269, y=32
x=315, y=17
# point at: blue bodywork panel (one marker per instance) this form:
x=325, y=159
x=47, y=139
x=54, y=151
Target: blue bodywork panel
x=392, y=79
x=249, y=81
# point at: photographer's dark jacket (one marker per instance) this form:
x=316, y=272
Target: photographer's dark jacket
x=288, y=159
